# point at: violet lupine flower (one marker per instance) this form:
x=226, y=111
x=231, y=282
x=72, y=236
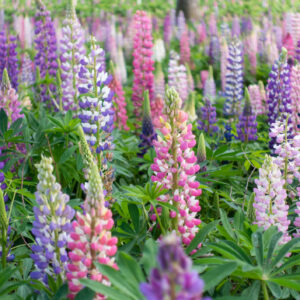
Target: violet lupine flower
x=120, y=117
x=246, y=26
x=52, y=225
x=4, y=207
x=72, y=49
x=256, y=99
x=175, y=166
x=247, y=126
x=185, y=51
x=208, y=118
x=148, y=134
x=234, y=79
x=228, y=135
x=214, y=49
x=279, y=91
x=95, y=101
x=295, y=95
x=27, y=73
x=181, y=25
x=9, y=100
x=174, y=277
x=143, y=65
x=210, y=86
x=45, y=45
x=91, y=239
x=8, y=57
x=236, y=27
x=270, y=199
x=167, y=29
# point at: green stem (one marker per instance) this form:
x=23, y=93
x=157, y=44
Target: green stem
x=265, y=291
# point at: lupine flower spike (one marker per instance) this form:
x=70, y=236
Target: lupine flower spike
x=174, y=278
x=52, y=225
x=210, y=86
x=91, y=239
x=175, y=168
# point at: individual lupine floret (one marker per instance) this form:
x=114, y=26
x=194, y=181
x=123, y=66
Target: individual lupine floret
x=72, y=49
x=256, y=99
x=143, y=65
x=175, y=168
x=148, y=134
x=95, y=101
x=8, y=57
x=9, y=100
x=174, y=277
x=295, y=95
x=210, y=86
x=270, y=199
x=208, y=118
x=46, y=46
x=247, y=125
x=234, y=79
x=120, y=118
x=91, y=240
x=52, y=225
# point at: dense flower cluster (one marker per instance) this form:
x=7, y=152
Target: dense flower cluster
x=174, y=278
x=72, y=49
x=46, y=46
x=234, y=79
x=175, y=168
x=142, y=61
x=208, y=118
x=52, y=225
x=8, y=57
x=270, y=199
x=91, y=239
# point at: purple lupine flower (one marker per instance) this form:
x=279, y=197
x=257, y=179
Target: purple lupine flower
x=3, y=186
x=214, y=49
x=228, y=135
x=52, y=225
x=45, y=45
x=247, y=126
x=235, y=28
x=148, y=134
x=247, y=25
x=72, y=48
x=234, y=79
x=95, y=100
x=181, y=26
x=174, y=277
x=210, y=86
x=167, y=29
x=279, y=92
x=8, y=57
x=27, y=74
x=208, y=119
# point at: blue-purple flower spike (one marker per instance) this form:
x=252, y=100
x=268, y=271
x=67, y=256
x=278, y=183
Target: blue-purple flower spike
x=52, y=225
x=208, y=118
x=173, y=279
x=234, y=79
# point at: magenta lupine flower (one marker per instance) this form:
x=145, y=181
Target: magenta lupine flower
x=8, y=57
x=175, y=168
x=174, y=278
x=52, y=225
x=120, y=117
x=90, y=239
x=45, y=45
x=143, y=64
x=270, y=199
x=288, y=44
x=256, y=99
x=295, y=95
x=9, y=100
x=168, y=32
x=72, y=48
x=185, y=51
x=177, y=77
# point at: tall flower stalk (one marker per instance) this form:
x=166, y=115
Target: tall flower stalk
x=175, y=168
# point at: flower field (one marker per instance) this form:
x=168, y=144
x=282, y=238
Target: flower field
x=149, y=150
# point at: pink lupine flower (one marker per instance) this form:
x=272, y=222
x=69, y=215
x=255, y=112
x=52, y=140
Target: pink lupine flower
x=288, y=44
x=295, y=94
x=90, y=239
x=270, y=199
x=251, y=48
x=175, y=167
x=256, y=99
x=185, y=51
x=143, y=64
x=224, y=60
x=204, y=75
x=201, y=33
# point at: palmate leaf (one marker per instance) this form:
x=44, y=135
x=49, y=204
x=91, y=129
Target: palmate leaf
x=257, y=241
x=292, y=261
x=289, y=283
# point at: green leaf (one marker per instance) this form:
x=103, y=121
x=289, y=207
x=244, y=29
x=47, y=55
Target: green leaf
x=148, y=261
x=214, y=276
x=67, y=154
x=292, y=284
x=62, y=293
x=258, y=247
x=253, y=291
x=135, y=216
x=292, y=261
x=271, y=248
x=226, y=224
x=275, y=289
x=3, y=121
x=200, y=236
x=85, y=294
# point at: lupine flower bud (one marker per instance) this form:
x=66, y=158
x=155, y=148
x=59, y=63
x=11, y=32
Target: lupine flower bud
x=175, y=168
x=173, y=279
x=52, y=225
